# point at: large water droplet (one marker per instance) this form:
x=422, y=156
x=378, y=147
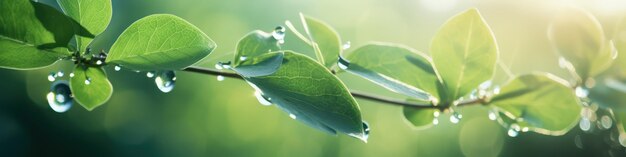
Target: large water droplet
x=220, y=78
x=363, y=136
x=59, y=98
x=117, y=68
x=346, y=45
x=292, y=116
x=279, y=34
x=584, y=124
x=150, y=74
x=165, y=81
x=606, y=122
x=513, y=130
x=582, y=92
x=262, y=99
x=71, y=74
x=88, y=81
x=492, y=115
x=343, y=63
x=52, y=76
x=455, y=117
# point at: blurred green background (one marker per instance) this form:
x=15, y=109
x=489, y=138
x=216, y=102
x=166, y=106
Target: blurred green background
x=206, y=117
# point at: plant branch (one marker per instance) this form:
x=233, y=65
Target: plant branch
x=357, y=94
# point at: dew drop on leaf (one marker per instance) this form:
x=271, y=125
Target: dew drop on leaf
x=584, y=124
x=262, y=99
x=455, y=117
x=88, y=81
x=71, y=74
x=98, y=62
x=343, y=63
x=606, y=122
x=165, y=81
x=243, y=58
x=292, y=116
x=59, y=98
x=513, y=130
x=366, y=130
x=218, y=66
x=60, y=73
x=279, y=34
x=582, y=92
x=435, y=121
x=117, y=68
x=52, y=76
x=220, y=78
x=150, y=74
x=492, y=115
x=346, y=45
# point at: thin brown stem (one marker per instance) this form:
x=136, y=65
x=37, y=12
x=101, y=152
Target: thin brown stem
x=357, y=94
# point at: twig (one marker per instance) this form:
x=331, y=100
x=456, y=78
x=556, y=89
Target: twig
x=354, y=93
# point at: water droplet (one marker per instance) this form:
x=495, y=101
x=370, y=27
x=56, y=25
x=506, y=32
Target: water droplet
x=513, y=130
x=88, y=81
x=492, y=115
x=220, y=78
x=262, y=99
x=150, y=74
x=343, y=63
x=292, y=116
x=485, y=85
x=218, y=66
x=455, y=117
x=346, y=45
x=117, y=68
x=279, y=34
x=564, y=64
x=222, y=65
x=98, y=62
x=436, y=114
x=165, y=81
x=71, y=74
x=59, y=98
x=584, y=124
x=243, y=58
x=60, y=73
x=622, y=139
x=366, y=130
x=578, y=141
x=581, y=92
x=496, y=90
x=52, y=76
x=435, y=121
x=606, y=122
x=525, y=129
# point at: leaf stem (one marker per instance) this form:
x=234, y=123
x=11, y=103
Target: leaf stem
x=357, y=94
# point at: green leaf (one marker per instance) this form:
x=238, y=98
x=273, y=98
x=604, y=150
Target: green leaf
x=541, y=102
x=262, y=65
x=308, y=90
x=464, y=53
x=254, y=44
x=579, y=38
x=160, y=42
x=325, y=40
x=90, y=86
x=32, y=35
x=609, y=93
x=94, y=15
x=419, y=118
x=395, y=67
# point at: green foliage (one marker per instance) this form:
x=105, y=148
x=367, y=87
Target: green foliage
x=541, y=102
x=254, y=44
x=33, y=35
x=160, y=42
x=323, y=39
x=90, y=86
x=308, y=90
x=395, y=67
x=579, y=37
x=464, y=54
x=94, y=15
